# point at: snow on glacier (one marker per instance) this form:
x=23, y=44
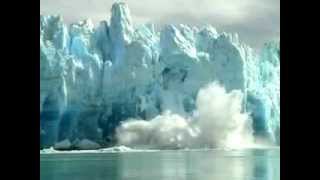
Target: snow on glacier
x=93, y=78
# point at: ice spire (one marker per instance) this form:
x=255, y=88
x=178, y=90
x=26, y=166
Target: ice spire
x=121, y=29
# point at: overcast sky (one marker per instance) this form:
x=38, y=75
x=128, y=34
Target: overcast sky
x=256, y=21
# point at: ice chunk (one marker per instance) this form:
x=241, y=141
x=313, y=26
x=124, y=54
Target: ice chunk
x=63, y=145
x=86, y=144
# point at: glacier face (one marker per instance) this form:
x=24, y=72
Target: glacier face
x=92, y=78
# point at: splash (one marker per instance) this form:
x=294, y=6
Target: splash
x=217, y=122
x=220, y=118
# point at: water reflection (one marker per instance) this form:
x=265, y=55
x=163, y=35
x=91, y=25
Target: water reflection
x=164, y=165
x=266, y=168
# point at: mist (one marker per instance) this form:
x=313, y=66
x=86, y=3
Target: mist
x=217, y=122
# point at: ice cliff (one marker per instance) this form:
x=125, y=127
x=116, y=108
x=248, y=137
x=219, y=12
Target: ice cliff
x=94, y=77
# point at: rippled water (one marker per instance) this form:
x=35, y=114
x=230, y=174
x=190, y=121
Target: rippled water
x=163, y=165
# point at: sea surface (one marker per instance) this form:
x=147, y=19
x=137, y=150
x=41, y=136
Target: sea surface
x=249, y=164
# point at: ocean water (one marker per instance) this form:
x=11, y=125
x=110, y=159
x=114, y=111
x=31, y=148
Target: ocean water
x=250, y=164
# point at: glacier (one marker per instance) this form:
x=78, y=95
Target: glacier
x=94, y=78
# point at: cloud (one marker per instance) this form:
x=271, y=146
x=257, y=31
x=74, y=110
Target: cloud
x=256, y=21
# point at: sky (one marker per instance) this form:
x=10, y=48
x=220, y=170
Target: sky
x=256, y=21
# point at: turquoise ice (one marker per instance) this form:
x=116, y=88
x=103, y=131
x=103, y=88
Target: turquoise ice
x=94, y=77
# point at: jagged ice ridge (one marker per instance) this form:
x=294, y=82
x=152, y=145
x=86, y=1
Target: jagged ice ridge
x=93, y=78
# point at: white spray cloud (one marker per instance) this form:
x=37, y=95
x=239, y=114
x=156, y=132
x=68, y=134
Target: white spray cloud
x=164, y=131
x=217, y=123
x=220, y=118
